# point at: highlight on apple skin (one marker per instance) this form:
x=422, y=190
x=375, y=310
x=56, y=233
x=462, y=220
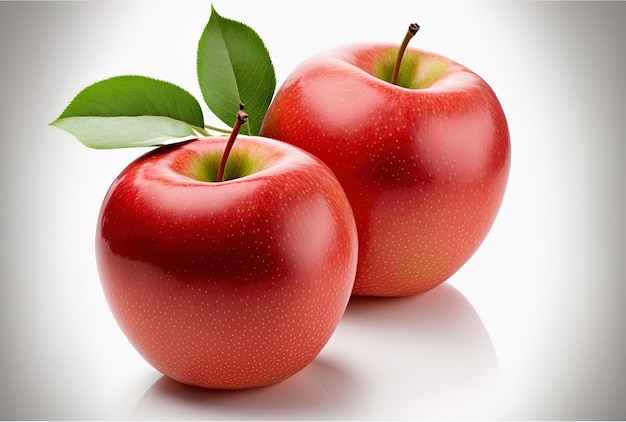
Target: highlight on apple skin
x=231, y=284
x=424, y=162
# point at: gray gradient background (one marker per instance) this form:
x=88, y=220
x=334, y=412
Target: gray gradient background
x=531, y=328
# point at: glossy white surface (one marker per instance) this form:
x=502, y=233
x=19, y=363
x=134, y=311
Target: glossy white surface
x=530, y=328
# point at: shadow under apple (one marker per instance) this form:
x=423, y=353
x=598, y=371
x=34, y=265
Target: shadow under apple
x=321, y=390
x=427, y=356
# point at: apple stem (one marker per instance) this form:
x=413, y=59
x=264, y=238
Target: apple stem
x=413, y=28
x=242, y=117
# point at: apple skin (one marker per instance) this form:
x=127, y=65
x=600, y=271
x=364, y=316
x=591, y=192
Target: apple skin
x=424, y=165
x=232, y=284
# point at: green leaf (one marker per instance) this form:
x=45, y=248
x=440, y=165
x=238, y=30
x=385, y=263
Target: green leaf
x=235, y=67
x=124, y=132
x=129, y=111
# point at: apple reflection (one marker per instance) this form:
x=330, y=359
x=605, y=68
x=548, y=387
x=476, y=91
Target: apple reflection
x=424, y=356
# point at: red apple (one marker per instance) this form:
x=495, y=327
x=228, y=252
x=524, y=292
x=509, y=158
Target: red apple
x=424, y=162
x=229, y=284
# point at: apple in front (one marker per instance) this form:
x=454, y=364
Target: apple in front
x=424, y=162
x=229, y=284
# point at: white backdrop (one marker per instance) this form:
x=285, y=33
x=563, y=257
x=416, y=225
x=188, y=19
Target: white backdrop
x=532, y=327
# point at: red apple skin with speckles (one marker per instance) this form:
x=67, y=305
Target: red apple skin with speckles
x=230, y=284
x=424, y=163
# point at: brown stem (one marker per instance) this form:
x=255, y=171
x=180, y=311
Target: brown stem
x=242, y=117
x=413, y=28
